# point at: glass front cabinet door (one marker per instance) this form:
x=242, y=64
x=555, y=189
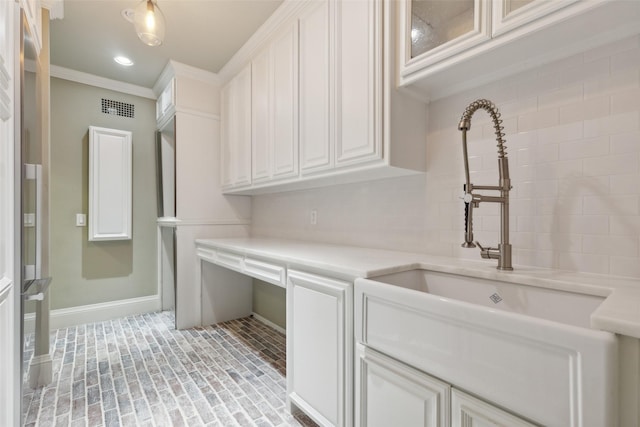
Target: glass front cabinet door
x=433, y=31
x=508, y=15
x=435, y=34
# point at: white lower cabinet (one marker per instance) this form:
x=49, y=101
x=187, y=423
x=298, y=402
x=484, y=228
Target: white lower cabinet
x=468, y=411
x=320, y=347
x=389, y=393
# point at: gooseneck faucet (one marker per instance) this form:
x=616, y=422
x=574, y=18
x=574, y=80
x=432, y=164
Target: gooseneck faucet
x=471, y=199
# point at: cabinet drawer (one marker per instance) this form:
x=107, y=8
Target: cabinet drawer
x=272, y=273
x=230, y=260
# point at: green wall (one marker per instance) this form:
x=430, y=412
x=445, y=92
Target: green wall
x=270, y=302
x=96, y=272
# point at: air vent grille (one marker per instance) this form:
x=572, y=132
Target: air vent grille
x=118, y=108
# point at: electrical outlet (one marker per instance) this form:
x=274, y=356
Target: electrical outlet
x=314, y=217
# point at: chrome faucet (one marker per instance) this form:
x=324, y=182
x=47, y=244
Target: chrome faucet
x=471, y=199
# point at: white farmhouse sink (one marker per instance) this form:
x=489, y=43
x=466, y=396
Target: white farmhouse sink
x=529, y=350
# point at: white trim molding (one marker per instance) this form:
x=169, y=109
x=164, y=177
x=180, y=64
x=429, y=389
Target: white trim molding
x=56, y=8
x=5, y=97
x=101, y=82
x=288, y=10
x=73, y=316
x=174, y=69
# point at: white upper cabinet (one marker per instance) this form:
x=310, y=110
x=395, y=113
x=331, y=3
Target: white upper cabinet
x=446, y=47
x=236, y=130
x=434, y=30
x=323, y=94
x=274, y=107
x=166, y=104
x=315, y=138
x=511, y=14
x=358, y=81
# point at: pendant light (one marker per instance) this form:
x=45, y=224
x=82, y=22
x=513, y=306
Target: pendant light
x=149, y=22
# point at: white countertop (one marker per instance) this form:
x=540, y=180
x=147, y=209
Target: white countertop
x=619, y=313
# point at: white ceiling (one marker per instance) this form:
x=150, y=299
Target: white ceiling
x=201, y=33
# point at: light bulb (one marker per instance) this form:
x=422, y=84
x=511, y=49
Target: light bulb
x=149, y=23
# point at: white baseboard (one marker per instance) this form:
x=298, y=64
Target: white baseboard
x=269, y=323
x=73, y=316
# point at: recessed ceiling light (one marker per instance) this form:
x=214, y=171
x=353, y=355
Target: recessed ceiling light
x=123, y=60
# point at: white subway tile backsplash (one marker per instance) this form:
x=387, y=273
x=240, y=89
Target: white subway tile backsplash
x=587, y=263
x=603, y=204
x=625, y=142
x=609, y=49
x=547, y=153
x=573, y=141
x=538, y=120
x=587, y=109
x=628, y=100
x=560, y=169
x=619, y=123
x=621, y=80
x=625, y=184
x=611, y=245
x=545, y=188
x=563, y=96
x=626, y=59
x=558, y=242
x=610, y=165
x=625, y=266
x=565, y=132
x=591, y=147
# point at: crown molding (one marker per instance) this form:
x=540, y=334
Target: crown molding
x=56, y=8
x=288, y=10
x=178, y=69
x=101, y=82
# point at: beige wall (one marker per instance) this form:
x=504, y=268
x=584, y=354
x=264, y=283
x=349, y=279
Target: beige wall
x=95, y=272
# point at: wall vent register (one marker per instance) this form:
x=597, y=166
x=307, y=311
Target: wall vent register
x=118, y=108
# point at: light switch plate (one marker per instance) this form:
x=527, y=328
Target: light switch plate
x=29, y=220
x=81, y=220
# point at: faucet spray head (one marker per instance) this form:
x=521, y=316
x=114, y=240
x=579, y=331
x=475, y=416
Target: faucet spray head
x=465, y=124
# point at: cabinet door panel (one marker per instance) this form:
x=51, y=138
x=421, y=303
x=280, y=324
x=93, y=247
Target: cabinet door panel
x=433, y=30
x=314, y=89
x=513, y=14
x=467, y=411
x=391, y=393
x=226, y=130
x=319, y=346
x=358, y=81
x=285, y=106
x=241, y=141
x=260, y=118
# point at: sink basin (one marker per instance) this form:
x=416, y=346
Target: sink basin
x=543, y=303
x=529, y=350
